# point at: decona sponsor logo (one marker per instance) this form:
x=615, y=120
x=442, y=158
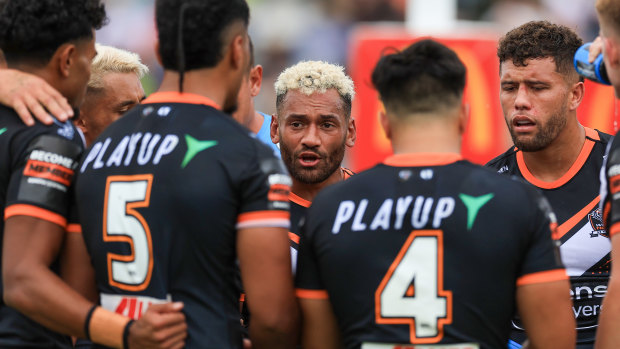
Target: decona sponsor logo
x=51, y=166
x=587, y=300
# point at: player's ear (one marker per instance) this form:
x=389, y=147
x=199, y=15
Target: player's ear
x=157, y=53
x=64, y=58
x=256, y=79
x=385, y=123
x=576, y=95
x=81, y=124
x=274, y=129
x=236, y=53
x=351, y=133
x=611, y=52
x=463, y=117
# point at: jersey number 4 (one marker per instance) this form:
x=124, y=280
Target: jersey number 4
x=122, y=223
x=411, y=293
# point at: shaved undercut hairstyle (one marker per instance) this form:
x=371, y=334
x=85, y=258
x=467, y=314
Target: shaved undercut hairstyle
x=424, y=78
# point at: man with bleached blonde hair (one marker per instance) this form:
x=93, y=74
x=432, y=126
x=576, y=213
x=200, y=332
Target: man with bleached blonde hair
x=313, y=126
x=114, y=88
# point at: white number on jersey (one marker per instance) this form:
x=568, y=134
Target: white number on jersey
x=412, y=290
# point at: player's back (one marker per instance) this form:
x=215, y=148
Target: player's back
x=425, y=250
x=162, y=193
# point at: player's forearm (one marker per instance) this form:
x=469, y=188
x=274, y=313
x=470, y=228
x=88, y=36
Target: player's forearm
x=607, y=335
x=42, y=296
x=277, y=336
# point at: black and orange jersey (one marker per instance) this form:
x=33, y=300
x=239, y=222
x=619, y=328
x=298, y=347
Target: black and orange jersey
x=162, y=194
x=433, y=255
x=299, y=206
x=37, y=167
x=585, y=247
x=610, y=186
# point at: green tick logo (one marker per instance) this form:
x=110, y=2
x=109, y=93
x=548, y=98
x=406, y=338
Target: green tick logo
x=474, y=204
x=194, y=147
x=2, y=130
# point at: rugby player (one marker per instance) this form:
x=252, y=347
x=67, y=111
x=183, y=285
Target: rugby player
x=257, y=122
x=313, y=126
x=439, y=252
x=608, y=335
x=55, y=41
x=114, y=88
x=539, y=93
x=176, y=190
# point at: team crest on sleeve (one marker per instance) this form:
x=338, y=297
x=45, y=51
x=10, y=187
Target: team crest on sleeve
x=596, y=222
x=65, y=129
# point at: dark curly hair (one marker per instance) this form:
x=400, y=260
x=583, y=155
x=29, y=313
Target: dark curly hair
x=540, y=39
x=204, y=23
x=32, y=30
x=425, y=77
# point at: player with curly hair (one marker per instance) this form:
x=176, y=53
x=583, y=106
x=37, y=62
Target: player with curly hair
x=540, y=92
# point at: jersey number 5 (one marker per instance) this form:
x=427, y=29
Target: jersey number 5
x=122, y=223
x=411, y=293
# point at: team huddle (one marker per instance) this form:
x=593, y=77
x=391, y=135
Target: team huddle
x=186, y=218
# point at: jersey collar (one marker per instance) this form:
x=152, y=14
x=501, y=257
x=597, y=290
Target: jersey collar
x=299, y=200
x=584, y=154
x=177, y=97
x=422, y=159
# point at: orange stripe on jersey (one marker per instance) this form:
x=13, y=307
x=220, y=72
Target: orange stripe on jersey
x=242, y=297
x=572, y=171
x=311, y=294
x=422, y=159
x=280, y=219
x=36, y=212
x=591, y=133
x=294, y=237
x=542, y=276
x=176, y=97
x=346, y=173
x=299, y=200
x=606, y=211
x=571, y=222
x=74, y=228
x=615, y=228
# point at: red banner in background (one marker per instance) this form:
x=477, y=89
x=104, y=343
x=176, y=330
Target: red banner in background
x=486, y=135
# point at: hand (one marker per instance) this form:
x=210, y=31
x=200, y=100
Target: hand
x=162, y=326
x=247, y=344
x=595, y=49
x=29, y=96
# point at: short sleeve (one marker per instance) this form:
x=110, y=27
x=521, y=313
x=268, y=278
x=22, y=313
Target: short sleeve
x=40, y=183
x=264, y=193
x=610, y=188
x=308, y=283
x=542, y=261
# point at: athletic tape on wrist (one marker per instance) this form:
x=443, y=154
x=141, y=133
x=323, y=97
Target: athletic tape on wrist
x=107, y=328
